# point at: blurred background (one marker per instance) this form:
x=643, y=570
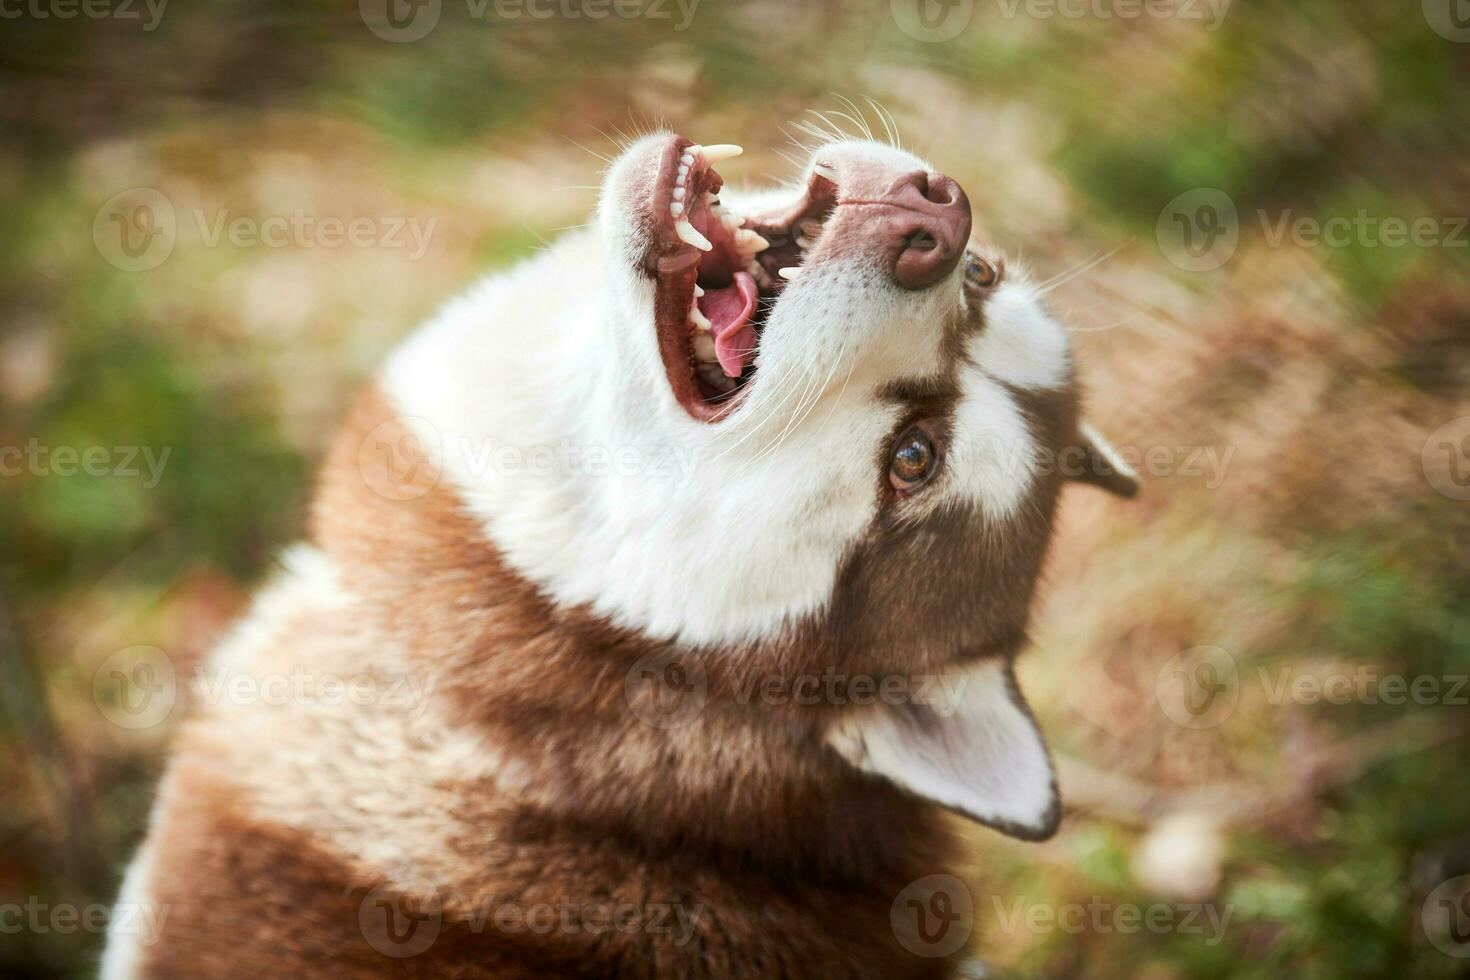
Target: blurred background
x=219, y=216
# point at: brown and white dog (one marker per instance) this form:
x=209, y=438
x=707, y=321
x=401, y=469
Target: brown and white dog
x=667, y=581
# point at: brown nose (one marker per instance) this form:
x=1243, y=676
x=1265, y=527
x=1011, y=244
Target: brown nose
x=928, y=225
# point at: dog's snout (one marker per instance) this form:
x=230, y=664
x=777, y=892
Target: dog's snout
x=932, y=218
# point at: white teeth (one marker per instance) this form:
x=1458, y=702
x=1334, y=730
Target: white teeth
x=678, y=193
x=697, y=317
x=748, y=241
x=688, y=233
x=712, y=198
x=789, y=272
x=754, y=268
x=803, y=241
x=720, y=151
x=822, y=170
x=688, y=158
x=697, y=291
x=704, y=349
x=731, y=221
x=676, y=209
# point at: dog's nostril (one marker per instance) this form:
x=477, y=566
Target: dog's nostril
x=938, y=189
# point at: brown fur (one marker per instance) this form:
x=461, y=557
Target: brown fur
x=269, y=843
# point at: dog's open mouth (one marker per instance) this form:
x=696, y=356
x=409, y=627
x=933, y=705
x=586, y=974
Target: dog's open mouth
x=720, y=273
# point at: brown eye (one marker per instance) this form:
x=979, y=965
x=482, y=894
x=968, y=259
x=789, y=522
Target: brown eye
x=981, y=271
x=914, y=460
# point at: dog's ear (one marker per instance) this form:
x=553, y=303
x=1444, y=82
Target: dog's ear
x=1101, y=465
x=973, y=748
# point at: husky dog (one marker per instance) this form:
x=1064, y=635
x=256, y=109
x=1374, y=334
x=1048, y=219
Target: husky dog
x=657, y=591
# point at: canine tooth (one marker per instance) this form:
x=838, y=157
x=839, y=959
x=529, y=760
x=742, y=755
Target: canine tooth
x=698, y=292
x=676, y=209
x=697, y=317
x=822, y=170
x=720, y=151
x=690, y=234
x=789, y=272
x=731, y=221
x=748, y=241
x=704, y=349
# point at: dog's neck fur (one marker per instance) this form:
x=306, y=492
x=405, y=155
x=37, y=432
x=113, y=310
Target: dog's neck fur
x=754, y=789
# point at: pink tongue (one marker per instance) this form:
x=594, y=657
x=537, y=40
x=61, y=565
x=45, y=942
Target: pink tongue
x=729, y=311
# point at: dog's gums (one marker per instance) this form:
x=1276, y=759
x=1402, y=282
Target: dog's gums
x=719, y=273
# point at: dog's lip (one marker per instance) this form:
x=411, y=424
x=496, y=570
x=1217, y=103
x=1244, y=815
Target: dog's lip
x=675, y=263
